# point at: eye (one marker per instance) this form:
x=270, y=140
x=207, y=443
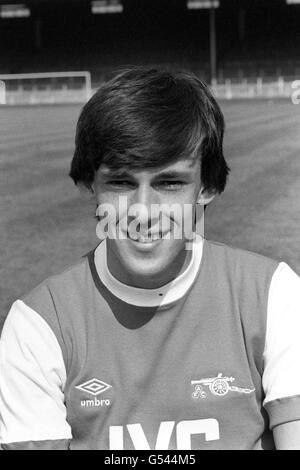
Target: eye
x=171, y=184
x=121, y=184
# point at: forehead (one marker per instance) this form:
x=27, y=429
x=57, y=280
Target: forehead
x=187, y=166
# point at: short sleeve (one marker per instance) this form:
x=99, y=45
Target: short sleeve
x=281, y=376
x=32, y=381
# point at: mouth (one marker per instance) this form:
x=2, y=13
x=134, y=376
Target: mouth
x=146, y=240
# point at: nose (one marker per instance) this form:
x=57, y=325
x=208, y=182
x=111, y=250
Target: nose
x=141, y=202
x=146, y=196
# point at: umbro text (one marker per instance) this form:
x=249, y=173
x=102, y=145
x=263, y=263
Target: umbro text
x=94, y=402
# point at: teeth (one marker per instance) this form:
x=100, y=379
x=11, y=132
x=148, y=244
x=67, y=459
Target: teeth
x=143, y=239
x=134, y=236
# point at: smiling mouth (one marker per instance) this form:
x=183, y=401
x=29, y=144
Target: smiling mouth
x=146, y=240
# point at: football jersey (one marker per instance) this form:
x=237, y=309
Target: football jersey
x=209, y=361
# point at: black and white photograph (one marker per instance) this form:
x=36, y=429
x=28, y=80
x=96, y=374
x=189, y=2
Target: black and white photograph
x=150, y=227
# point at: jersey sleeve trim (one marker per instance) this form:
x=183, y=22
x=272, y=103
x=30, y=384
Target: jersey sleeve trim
x=283, y=410
x=33, y=378
x=59, y=444
x=41, y=300
x=281, y=377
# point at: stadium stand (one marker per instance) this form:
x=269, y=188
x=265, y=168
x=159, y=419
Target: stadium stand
x=252, y=41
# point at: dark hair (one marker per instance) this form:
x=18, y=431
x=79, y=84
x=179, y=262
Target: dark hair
x=147, y=118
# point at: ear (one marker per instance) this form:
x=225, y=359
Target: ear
x=205, y=197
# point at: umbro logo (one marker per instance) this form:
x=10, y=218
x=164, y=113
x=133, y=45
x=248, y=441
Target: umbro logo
x=94, y=387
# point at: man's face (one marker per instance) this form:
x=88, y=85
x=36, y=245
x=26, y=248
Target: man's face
x=153, y=261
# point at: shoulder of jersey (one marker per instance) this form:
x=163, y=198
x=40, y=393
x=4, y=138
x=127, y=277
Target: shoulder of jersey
x=240, y=254
x=72, y=275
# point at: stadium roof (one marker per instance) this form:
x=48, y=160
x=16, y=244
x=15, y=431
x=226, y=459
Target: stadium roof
x=154, y=2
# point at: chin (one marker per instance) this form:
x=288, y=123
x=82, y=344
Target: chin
x=147, y=269
x=154, y=265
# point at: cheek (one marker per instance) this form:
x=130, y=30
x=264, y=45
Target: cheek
x=115, y=202
x=185, y=207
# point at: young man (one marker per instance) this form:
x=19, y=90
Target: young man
x=154, y=341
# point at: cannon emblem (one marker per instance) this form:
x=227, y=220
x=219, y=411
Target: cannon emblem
x=218, y=386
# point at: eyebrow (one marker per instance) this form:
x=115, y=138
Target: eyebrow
x=174, y=174
x=115, y=174
x=171, y=174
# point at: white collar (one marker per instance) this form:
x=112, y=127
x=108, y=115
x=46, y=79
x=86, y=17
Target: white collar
x=171, y=292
